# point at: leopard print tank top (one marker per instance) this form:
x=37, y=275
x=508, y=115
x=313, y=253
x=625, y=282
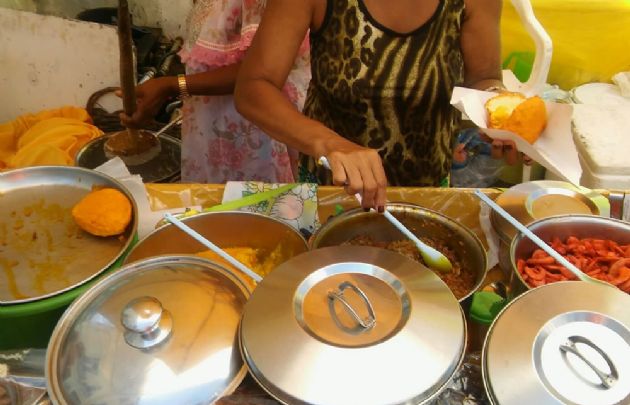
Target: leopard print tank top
x=388, y=91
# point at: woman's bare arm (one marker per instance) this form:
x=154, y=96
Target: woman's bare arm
x=151, y=95
x=259, y=98
x=481, y=44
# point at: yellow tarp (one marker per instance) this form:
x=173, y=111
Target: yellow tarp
x=591, y=38
x=50, y=137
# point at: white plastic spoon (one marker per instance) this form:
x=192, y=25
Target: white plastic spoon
x=541, y=244
x=431, y=257
x=197, y=236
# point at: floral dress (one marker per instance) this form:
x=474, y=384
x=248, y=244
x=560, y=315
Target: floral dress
x=218, y=144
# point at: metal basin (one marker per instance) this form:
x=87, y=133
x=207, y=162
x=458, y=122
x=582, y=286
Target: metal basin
x=225, y=229
x=421, y=221
x=563, y=226
x=46, y=261
x=164, y=168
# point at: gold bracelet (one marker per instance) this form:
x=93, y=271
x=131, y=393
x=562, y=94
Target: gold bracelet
x=183, y=87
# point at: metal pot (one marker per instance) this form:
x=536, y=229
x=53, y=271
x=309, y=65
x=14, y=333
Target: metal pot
x=535, y=200
x=224, y=229
x=164, y=168
x=352, y=325
x=47, y=259
x=421, y=221
x=563, y=226
x=158, y=331
x=561, y=343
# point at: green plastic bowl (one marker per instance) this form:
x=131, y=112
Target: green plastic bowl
x=30, y=325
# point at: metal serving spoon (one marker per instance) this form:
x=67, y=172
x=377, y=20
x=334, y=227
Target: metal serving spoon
x=431, y=257
x=197, y=236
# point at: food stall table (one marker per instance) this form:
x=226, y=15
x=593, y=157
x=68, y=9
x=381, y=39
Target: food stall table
x=459, y=204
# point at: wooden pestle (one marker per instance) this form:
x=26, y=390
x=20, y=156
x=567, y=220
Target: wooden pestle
x=127, y=71
x=133, y=146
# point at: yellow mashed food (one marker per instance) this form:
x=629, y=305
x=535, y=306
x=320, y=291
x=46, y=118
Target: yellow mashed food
x=261, y=261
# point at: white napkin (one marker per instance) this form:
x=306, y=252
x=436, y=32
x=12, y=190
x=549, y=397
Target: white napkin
x=554, y=149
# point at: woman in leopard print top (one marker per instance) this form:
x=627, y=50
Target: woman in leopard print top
x=378, y=106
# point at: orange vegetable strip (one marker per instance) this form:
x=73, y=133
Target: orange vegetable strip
x=534, y=274
x=545, y=260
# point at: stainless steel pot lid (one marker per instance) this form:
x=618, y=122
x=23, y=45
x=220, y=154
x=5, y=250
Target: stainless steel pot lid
x=352, y=325
x=535, y=200
x=562, y=343
x=159, y=331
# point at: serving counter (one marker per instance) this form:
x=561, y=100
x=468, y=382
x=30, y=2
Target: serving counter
x=459, y=204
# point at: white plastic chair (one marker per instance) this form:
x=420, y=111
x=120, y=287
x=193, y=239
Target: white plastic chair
x=542, y=60
x=544, y=49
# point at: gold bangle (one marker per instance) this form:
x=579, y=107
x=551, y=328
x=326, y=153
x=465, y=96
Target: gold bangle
x=183, y=87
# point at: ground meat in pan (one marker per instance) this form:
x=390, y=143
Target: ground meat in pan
x=461, y=280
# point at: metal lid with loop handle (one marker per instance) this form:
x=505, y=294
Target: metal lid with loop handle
x=362, y=325
x=162, y=330
x=575, y=349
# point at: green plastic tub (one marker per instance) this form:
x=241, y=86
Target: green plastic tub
x=30, y=325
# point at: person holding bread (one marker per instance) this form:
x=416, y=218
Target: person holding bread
x=378, y=105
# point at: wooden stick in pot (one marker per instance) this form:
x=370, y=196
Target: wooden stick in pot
x=133, y=146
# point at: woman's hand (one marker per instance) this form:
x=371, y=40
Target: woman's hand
x=506, y=150
x=150, y=97
x=358, y=170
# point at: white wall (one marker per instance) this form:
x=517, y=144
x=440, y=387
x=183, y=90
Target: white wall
x=170, y=15
x=48, y=62
x=24, y=5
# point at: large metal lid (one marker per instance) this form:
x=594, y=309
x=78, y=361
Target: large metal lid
x=352, y=325
x=528, y=202
x=159, y=331
x=562, y=343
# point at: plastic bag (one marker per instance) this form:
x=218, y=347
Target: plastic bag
x=479, y=169
x=466, y=387
x=590, y=40
x=22, y=380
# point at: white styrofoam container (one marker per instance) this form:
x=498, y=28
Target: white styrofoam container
x=602, y=137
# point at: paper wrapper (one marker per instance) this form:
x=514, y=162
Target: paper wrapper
x=554, y=149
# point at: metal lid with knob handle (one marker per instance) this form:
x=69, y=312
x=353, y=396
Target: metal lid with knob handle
x=146, y=323
x=162, y=329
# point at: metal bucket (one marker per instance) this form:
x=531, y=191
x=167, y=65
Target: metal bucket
x=563, y=226
x=225, y=229
x=421, y=221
